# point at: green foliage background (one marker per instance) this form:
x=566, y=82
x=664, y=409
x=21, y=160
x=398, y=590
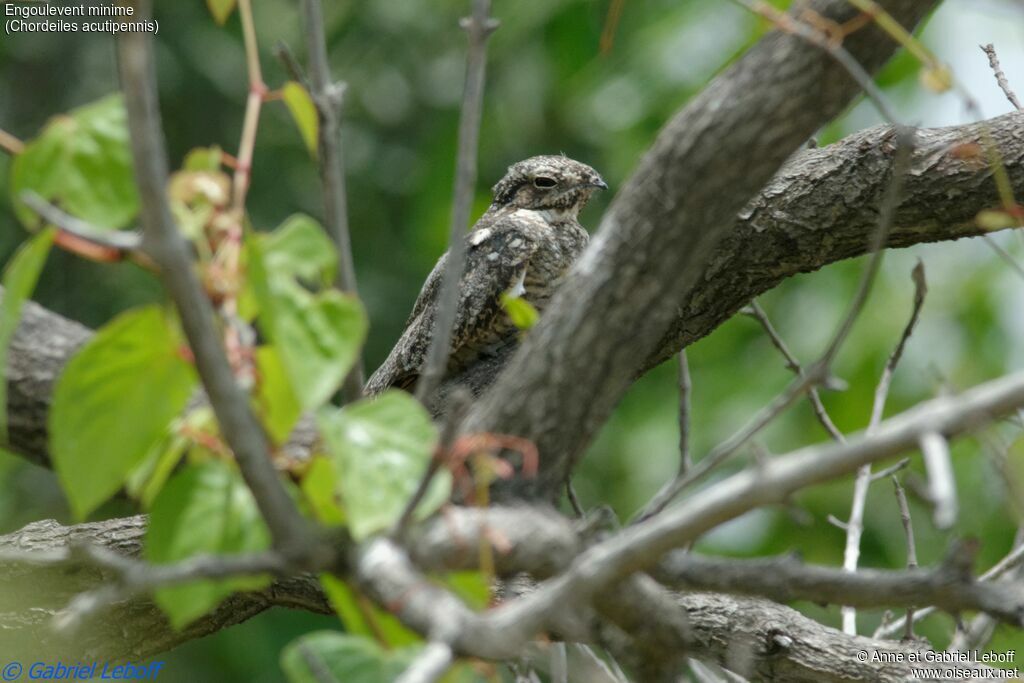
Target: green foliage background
x=550, y=89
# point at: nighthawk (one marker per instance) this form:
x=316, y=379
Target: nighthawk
x=523, y=245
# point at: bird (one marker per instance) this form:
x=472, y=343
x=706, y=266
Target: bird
x=523, y=245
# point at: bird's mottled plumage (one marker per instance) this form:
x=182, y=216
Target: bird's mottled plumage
x=523, y=244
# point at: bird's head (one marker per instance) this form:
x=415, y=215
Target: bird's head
x=554, y=184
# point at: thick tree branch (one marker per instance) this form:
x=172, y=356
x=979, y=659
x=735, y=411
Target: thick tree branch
x=655, y=240
x=785, y=579
x=777, y=642
x=818, y=209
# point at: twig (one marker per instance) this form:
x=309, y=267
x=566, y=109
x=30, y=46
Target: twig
x=478, y=28
x=793, y=364
x=328, y=97
x=685, y=389
x=642, y=545
x=855, y=526
x=1010, y=561
x=287, y=58
x=818, y=38
x=785, y=579
x=83, y=238
x=430, y=665
x=11, y=144
x=132, y=577
x=1004, y=85
x=1003, y=254
x=941, y=483
x=908, y=529
x=291, y=532
x=889, y=471
x=574, y=500
x=254, y=102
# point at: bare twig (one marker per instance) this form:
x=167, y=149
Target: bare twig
x=793, y=364
x=908, y=529
x=291, y=532
x=785, y=579
x=11, y=144
x=818, y=38
x=478, y=27
x=642, y=545
x=328, y=97
x=108, y=245
x=685, y=389
x=889, y=471
x=997, y=71
x=1010, y=562
x=941, y=483
x=430, y=665
x=819, y=370
x=287, y=58
x=855, y=526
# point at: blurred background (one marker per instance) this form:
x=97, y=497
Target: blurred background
x=552, y=88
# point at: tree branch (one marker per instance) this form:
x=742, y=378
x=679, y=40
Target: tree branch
x=656, y=238
x=328, y=97
x=161, y=240
x=785, y=579
x=478, y=27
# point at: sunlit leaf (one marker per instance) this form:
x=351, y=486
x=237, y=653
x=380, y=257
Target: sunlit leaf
x=114, y=401
x=204, y=509
x=19, y=279
x=319, y=490
x=202, y=159
x=381, y=447
x=318, y=335
x=300, y=248
x=82, y=162
x=303, y=111
x=221, y=9
x=994, y=219
x=356, y=612
x=275, y=400
x=937, y=78
x=520, y=311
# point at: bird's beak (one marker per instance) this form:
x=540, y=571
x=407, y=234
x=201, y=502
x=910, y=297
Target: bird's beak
x=598, y=183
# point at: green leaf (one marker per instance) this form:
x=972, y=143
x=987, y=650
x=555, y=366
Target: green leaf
x=19, y=280
x=202, y=159
x=204, y=509
x=319, y=490
x=381, y=447
x=300, y=248
x=355, y=613
x=221, y=9
x=82, y=162
x=276, y=402
x=352, y=659
x=520, y=311
x=473, y=587
x=994, y=219
x=148, y=479
x=114, y=401
x=317, y=335
x=303, y=110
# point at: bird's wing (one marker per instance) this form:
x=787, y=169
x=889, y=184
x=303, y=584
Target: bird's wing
x=496, y=259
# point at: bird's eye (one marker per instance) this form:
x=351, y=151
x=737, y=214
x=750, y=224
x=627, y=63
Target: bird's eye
x=544, y=181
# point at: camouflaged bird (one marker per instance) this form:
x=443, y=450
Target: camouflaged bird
x=523, y=245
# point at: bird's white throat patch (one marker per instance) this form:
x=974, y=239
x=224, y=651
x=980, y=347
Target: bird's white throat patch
x=557, y=215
